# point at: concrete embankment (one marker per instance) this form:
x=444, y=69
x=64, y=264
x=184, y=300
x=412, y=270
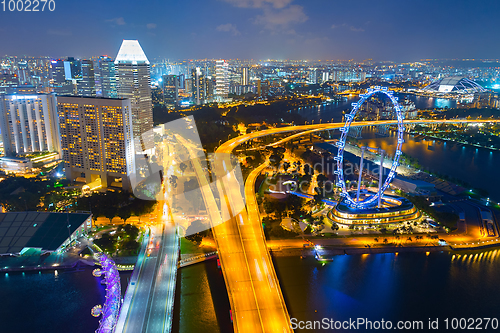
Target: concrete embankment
x=330, y=251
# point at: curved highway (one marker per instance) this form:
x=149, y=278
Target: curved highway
x=254, y=293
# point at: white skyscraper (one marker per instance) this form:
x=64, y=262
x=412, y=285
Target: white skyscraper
x=29, y=123
x=221, y=79
x=133, y=81
x=244, y=76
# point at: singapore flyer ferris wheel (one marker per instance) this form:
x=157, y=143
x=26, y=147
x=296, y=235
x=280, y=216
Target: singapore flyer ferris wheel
x=372, y=200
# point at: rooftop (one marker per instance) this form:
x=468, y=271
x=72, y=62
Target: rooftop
x=131, y=53
x=454, y=84
x=42, y=230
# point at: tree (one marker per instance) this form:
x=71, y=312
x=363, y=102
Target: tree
x=298, y=165
x=196, y=231
x=124, y=213
x=318, y=196
x=286, y=166
x=276, y=159
x=269, y=206
x=130, y=245
x=110, y=212
x=131, y=231
x=173, y=180
x=321, y=179
x=307, y=169
x=183, y=167
x=107, y=243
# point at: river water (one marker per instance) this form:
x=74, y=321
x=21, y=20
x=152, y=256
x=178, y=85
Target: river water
x=475, y=166
x=51, y=301
x=408, y=286
x=333, y=110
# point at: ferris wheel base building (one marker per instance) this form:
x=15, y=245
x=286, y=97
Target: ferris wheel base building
x=394, y=211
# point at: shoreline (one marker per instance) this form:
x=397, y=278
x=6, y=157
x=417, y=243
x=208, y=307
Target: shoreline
x=329, y=250
x=434, y=138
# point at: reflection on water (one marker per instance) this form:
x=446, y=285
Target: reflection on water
x=409, y=286
x=194, y=309
x=333, y=110
x=476, y=166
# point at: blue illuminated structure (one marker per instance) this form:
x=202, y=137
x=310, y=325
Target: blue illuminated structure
x=111, y=307
x=372, y=200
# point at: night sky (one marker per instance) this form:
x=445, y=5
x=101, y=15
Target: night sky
x=399, y=30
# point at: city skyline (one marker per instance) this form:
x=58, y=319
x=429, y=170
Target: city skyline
x=261, y=29
x=249, y=166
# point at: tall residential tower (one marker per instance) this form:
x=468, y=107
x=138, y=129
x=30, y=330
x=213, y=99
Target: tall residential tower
x=29, y=123
x=221, y=79
x=96, y=140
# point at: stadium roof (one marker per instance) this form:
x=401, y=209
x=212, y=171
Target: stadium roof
x=455, y=84
x=47, y=231
x=131, y=53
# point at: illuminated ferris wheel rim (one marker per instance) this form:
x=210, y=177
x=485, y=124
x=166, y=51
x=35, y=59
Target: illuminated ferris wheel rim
x=342, y=141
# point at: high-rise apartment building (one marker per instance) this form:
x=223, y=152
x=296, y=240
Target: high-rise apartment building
x=349, y=76
x=29, y=123
x=170, y=90
x=313, y=76
x=221, y=79
x=244, y=76
x=86, y=85
x=133, y=82
x=325, y=76
x=198, y=89
x=97, y=140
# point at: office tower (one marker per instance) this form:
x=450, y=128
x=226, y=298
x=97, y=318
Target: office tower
x=133, y=82
x=221, y=79
x=259, y=87
x=29, y=123
x=86, y=85
x=171, y=90
x=59, y=84
x=23, y=72
x=108, y=77
x=188, y=85
x=198, y=87
x=209, y=88
x=182, y=81
x=244, y=76
x=97, y=76
x=97, y=140
x=73, y=69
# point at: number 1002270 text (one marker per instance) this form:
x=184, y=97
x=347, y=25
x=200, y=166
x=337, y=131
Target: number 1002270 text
x=28, y=5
